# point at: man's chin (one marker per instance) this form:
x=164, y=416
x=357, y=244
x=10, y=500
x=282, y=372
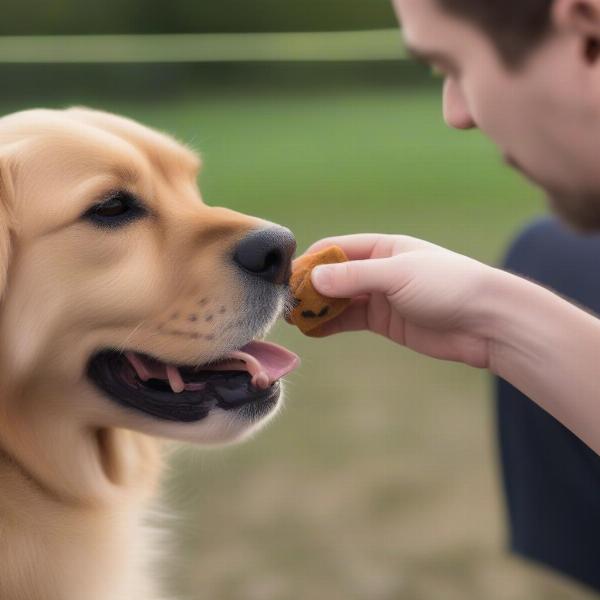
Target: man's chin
x=579, y=212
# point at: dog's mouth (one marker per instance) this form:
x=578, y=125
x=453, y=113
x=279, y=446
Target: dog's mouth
x=184, y=393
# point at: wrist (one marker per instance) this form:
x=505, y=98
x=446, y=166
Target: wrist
x=528, y=326
x=516, y=317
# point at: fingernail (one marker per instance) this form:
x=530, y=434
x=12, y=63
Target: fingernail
x=322, y=278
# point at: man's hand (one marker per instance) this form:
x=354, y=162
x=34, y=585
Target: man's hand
x=413, y=292
x=449, y=306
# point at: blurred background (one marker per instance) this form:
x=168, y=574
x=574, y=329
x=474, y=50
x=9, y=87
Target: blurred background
x=379, y=480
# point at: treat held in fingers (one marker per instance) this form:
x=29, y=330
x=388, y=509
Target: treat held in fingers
x=312, y=309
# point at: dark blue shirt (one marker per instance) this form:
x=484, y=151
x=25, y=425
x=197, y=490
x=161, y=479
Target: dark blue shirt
x=551, y=478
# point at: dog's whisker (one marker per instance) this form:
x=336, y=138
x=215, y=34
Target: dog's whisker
x=122, y=347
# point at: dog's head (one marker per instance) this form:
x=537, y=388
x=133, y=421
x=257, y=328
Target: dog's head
x=126, y=301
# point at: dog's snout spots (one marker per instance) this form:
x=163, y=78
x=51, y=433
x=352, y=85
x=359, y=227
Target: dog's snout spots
x=192, y=335
x=189, y=317
x=175, y=332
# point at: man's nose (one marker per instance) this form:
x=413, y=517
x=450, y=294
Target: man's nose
x=267, y=254
x=456, y=110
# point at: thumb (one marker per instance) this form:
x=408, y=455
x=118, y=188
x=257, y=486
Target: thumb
x=358, y=277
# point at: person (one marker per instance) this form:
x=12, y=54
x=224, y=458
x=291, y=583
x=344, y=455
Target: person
x=551, y=479
x=527, y=73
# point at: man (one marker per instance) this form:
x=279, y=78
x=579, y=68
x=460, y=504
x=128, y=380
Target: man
x=552, y=479
x=527, y=73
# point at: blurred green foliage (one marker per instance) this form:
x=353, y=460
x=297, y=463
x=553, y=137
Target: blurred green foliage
x=29, y=17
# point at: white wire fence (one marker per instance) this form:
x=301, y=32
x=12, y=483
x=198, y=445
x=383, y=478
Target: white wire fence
x=341, y=46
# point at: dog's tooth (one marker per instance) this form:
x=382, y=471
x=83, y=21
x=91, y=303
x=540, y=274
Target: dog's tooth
x=175, y=380
x=138, y=365
x=260, y=378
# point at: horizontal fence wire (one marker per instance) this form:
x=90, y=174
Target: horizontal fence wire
x=371, y=45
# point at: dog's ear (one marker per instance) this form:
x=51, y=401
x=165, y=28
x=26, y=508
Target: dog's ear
x=6, y=199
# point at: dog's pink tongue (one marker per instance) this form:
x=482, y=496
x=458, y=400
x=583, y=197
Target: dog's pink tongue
x=266, y=362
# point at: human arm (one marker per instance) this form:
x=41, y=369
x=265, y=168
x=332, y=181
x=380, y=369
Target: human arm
x=449, y=306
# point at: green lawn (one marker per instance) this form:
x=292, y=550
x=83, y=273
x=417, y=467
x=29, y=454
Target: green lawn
x=379, y=479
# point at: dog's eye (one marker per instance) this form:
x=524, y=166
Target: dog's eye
x=112, y=208
x=118, y=209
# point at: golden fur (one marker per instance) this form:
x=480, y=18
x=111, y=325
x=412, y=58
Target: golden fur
x=78, y=472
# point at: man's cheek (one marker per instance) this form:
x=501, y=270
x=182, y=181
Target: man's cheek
x=497, y=115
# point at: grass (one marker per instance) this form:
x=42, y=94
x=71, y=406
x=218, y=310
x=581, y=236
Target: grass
x=379, y=478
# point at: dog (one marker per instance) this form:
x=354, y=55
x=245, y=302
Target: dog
x=131, y=314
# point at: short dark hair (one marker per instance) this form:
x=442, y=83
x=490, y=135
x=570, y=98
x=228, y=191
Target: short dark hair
x=515, y=26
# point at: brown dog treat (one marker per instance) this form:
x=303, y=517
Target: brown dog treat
x=311, y=308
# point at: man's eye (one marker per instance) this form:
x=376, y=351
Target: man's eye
x=117, y=210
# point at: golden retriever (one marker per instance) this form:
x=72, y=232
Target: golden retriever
x=130, y=312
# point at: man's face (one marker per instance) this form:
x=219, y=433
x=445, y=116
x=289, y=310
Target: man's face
x=544, y=117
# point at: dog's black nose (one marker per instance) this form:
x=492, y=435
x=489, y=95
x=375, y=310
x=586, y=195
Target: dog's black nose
x=267, y=253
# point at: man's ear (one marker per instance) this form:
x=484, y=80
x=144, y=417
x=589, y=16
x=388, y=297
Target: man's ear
x=6, y=225
x=581, y=17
